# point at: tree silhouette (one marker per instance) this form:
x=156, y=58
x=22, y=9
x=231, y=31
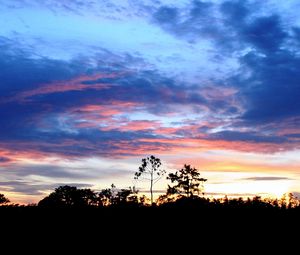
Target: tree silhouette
x=86, y=197
x=188, y=182
x=3, y=199
x=106, y=196
x=68, y=196
x=127, y=196
x=292, y=201
x=150, y=170
x=119, y=197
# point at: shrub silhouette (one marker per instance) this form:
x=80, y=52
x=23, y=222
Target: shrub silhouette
x=68, y=196
x=120, y=197
x=3, y=199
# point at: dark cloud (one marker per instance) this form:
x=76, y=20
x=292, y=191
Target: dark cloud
x=271, y=91
x=41, y=103
x=235, y=12
x=188, y=23
x=28, y=171
x=31, y=74
x=296, y=34
x=56, y=172
x=41, y=115
x=265, y=33
x=266, y=178
x=33, y=189
x=87, y=143
x=166, y=15
x=30, y=71
x=293, y=135
x=4, y=159
x=246, y=137
x=268, y=78
x=230, y=25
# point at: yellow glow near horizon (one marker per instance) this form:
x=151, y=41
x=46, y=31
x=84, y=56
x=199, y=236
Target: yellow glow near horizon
x=231, y=175
x=265, y=188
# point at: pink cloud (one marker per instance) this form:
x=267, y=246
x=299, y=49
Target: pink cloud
x=108, y=109
x=75, y=84
x=90, y=116
x=138, y=125
x=218, y=93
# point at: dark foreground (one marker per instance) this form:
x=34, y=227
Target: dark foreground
x=137, y=230
x=147, y=216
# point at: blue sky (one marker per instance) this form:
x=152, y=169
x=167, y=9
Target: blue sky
x=88, y=88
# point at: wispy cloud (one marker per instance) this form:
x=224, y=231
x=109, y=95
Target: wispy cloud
x=267, y=178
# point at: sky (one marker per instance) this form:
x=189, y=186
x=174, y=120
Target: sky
x=90, y=87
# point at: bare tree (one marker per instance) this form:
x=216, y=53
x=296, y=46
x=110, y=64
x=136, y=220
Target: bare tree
x=150, y=170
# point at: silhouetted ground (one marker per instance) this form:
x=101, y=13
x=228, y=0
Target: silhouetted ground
x=186, y=217
x=167, y=215
x=132, y=230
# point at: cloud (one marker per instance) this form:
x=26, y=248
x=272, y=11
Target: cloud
x=244, y=22
x=32, y=189
x=76, y=109
x=190, y=23
x=30, y=71
x=68, y=170
x=231, y=194
x=110, y=9
x=267, y=79
x=4, y=160
x=115, y=103
x=265, y=33
x=267, y=178
x=57, y=172
x=268, y=86
x=93, y=105
x=37, y=179
x=231, y=26
x=235, y=12
x=77, y=84
x=271, y=91
x=266, y=45
x=247, y=136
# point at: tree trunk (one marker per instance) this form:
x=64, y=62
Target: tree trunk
x=188, y=187
x=151, y=187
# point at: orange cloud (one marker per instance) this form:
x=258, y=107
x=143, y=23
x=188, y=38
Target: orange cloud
x=231, y=164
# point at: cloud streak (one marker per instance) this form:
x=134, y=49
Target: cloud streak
x=267, y=178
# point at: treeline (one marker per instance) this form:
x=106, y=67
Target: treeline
x=67, y=196
x=73, y=197
x=186, y=190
